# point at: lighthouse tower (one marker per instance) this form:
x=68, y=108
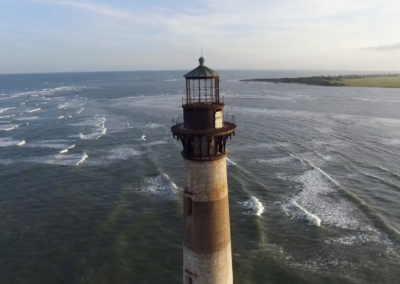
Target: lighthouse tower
x=204, y=131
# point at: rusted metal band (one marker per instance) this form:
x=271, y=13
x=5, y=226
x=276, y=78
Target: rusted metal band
x=207, y=230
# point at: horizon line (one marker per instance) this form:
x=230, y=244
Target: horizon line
x=185, y=70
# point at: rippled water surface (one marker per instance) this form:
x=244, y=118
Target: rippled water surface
x=91, y=180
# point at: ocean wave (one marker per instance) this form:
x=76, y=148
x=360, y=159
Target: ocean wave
x=84, y=157
x=5, y=109
x=160, y=186
x=319, y=197
x=58, y=160
x=47, y=92
x=253, y=206
x=94, y=135
x=33, y=110
x=276, y=161
x=161, y=142
x=389, y=171
x=7, y=116
x=296, y=211
x=46, y=145
x=153, y=125
x=26, y=118
x=8, y=127
x=66, y=149
x=5, y=142
x=361, y=238
x=80, y=110
x=123, y=154
x=230, y=162
x=61, y=116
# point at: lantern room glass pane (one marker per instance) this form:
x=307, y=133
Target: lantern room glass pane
x=204, y=91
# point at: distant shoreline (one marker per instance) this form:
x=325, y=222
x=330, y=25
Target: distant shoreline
x=391, y=80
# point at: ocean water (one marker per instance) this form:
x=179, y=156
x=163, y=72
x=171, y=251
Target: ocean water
x=91, y=179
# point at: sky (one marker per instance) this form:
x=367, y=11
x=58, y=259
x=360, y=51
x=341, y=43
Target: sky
x=39, y=36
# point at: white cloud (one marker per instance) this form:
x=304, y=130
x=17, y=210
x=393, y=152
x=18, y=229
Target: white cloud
x=388, y=47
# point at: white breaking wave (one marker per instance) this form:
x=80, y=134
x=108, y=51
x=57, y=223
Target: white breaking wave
x=63, y=105
x=66, y=150
x=53, y=144
x=82, y=160
x=7, y=116
x=8, y=127
x=21, y=143
x=5, y=109
x=94, y=135
x=26, y=118
x=386, y=170
x=59, y=160
x=296, y=211
x=33, y=110
x=80, y=110
x=61, y=116
x=101, y=122
x=5, y=142
x=253, y=206
x=230, y=162
x=319, y=197
x=100, y=126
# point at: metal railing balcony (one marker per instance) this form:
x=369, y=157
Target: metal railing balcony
x=210, y=100
x=227, y=118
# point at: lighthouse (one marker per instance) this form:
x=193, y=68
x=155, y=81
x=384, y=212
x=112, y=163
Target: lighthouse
x=204, y=131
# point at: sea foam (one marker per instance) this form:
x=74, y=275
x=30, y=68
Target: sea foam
x=253, y=206
x=160, y=186
x=296, y=211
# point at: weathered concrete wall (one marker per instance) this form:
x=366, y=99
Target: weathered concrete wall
x=207, y=237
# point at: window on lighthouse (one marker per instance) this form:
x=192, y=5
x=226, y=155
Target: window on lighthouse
x=188, y=205
x=218, y=119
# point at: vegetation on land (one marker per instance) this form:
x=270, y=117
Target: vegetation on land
x=370, y=80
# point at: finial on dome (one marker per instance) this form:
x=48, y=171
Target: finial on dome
x=201, y=61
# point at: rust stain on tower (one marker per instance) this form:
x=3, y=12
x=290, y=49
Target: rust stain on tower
x=204, y=131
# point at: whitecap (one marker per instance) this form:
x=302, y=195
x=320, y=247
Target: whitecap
x=84, y=157
x=94, y=135
x=8, y=127
x=253, y=206
x=5, y=109
x=229, y=162
x=296, y=211
x=159, y=186
x=66, y=150
x=5, y=142
x=33, y=110
x=27, y=118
